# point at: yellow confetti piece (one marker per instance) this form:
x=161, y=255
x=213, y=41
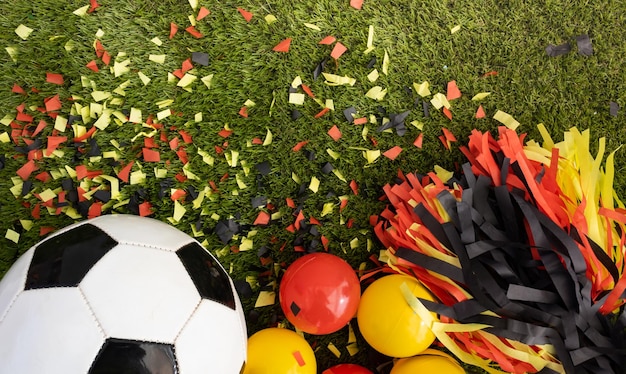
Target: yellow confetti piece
x=268, y=138
x=156, y=41
x=370, y=40
x=385, y=67
x=352, y=349
x=376, y=93
x=171, y=78
x=418, y=125
x=198, y=117
x=422, y=89
x=439, y=100
x=47, y=195
x=207, y=80
x=179, y=211
x=330, y=104
x=121, y=68
x=296, y=98
x=99, y=33
x=327, y=209
x=135, y=115
x=295, y=177
x=186, y=80
x=336, y=80
x=138, y=177
x=373, y=76
x=249, y=103
x=12, y=51
x=192, y=19
x=270, y=18
x=12, y=236
x=159, y=59
x=26, y=224
x=312, y=26
x=5, y=138
x=314, y=185
x=69, y=45
x=60, y=123
x=297, y=82
x=164, y=114
x=333, y=154
x=114, y=184
x=7, y=119
x=480, y=96
x=82, y=11
x=354, y=243
x=100, y=95
x=240, y=182
x=455, y=29
x=442, y=173
x=103, y=121
x=371, y=156
x=194, y=4
x=265, y=298
x=246, y=244
x=234, y=158
x=506, y=119
x=339, y=175
x=23, y=31
x=331, y=347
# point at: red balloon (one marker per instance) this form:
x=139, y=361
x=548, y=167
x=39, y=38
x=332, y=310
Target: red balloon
x=319, y=293
x=347, y=369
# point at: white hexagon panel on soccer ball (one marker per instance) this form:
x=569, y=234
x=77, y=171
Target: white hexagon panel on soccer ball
x=142, y=231
x=49, y=330
x=13, y=282
x=140, y=293
x=219, y=331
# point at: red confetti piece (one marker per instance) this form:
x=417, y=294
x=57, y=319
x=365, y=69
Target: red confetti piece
x=18, y=90
x=93, y=5
x=95, y=210
x=350, y=223
x=334, y=133
x=150, y=143
x=44, y=176
x=325, y=242
x=298, y=147
x=480, y=112
x=299, y=359
x=178, y=194
x=359, y=121
x=354, y=187
x=151, y=156
x=492, y=73
x=373, y=220
x=343, y=204
x=203, y=12
x=182, y=155
x=255, y=141
x=54, y=78
x=99, y=48
x=314, y=221
x=262, y=219
x=42, y=125
x=85, y=136
x=322, y=112
x=92, y=65
x=195, y=33
x=124, y=172
x=291, y=228
x=26, y=170
x=243, y=111
x=174, y=143
x=392, y=153
x=338, y=50
x=23, y=117
x=145, y=209
x=419, y=140
x=187, y=65
x=453, y=91
x=180, y=177
x=178, y=73
x=45, y=230
x=299, y=219
x=52, y=103
x=444, y=142
x=328, y=40
x=186, y=136
x=449, y=135
x=226, y=133
x=290, y=203
x=173, y=29
x=106, y=58
x=54, y=142
x=356, y=4
x=245, y=14
x=283, y=46
x=307, y=90
x=447, y=113
x=36, y=212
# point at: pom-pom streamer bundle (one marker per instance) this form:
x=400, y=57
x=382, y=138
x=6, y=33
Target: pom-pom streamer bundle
x=524, y=251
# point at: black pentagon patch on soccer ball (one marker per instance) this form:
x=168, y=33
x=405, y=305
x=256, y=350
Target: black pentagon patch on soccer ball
x=210, y=279
x=64, y=259
x=119, y=356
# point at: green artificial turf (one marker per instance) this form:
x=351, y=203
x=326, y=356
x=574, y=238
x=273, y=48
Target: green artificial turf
x=508, y=37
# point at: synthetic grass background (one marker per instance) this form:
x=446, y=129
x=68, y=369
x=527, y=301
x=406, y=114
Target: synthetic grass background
x=504, y=36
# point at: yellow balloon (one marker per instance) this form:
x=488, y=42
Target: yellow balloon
x=430, y=361
x=279, y=351
x=388, y=323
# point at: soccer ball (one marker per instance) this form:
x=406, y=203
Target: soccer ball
x=120, y=294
